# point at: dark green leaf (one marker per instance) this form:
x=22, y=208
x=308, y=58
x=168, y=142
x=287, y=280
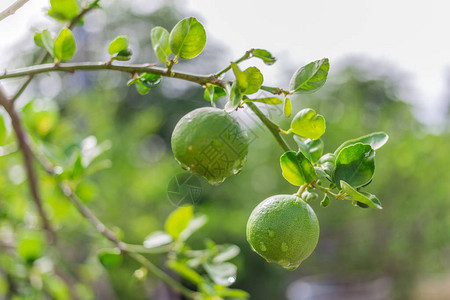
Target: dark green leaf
x=119, y=44
x=355, y=165
x=215, y=91
x=63, y=10
x=185, y=272
x=248, y=81
x=268, y=100
x=110, y=258
x=157, y=239
x=123, y=55
x=297, y=169
x=312, y=149
x=310, y=78
x=308, y=123
x=265, y=55
x=65, y=46
x=363, y=197
x=178, y=220
x=160, y=42
x=223, y=274
x=376, y=140
x=325, y=201
x=188, y=38
x=287, y=107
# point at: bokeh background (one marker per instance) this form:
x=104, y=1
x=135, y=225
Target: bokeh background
x=400, y=252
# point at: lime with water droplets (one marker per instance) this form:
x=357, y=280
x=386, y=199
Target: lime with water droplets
x=283, y=229
x=210, y=143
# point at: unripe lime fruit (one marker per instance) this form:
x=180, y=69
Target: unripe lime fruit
x=209, y=142
x=283, y=229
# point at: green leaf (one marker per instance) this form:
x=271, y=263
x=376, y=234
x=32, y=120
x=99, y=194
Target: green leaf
x=178, y=220
x=109, y=258
x=312, y=149
x=185, y=272
x=48, y=41
x=160, y=42
x=63, y=10
x=287, y=107
x=376, y=140
x=78, y=168
x=234, y=294
x=309, y=124
x=30, y=245
x=235, y=96
x=297, y=169
x=226, y=252
x=310, y=78
x=38, y=39
x=188, y=38
x=363, y=197
x=119, y=44
x=193, y=225
x=213, y=92
x=268, y=100
x=355, y=165
x=65, y=46
x=157, y=239
x=265, y=55
x=248, y=81
x=223, y=274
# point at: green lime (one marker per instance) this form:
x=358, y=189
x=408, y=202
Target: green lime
x=210, y=143
x=283, y=229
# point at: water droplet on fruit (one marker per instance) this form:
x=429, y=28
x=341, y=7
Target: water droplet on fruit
x=284, y=247
x=263, y=247
x=271, y=233
x=216, y=181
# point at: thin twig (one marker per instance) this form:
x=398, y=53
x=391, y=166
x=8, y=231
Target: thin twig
x=12, y=9
x=247, y=55
x=24, y=147
x=46, y=55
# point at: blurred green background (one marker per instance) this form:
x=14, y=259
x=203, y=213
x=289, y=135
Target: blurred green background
x=407, y=243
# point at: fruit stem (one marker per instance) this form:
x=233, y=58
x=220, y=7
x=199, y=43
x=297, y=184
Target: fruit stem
x=273, y=128
x=301, y=190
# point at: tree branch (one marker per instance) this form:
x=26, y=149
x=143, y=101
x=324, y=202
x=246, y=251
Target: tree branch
x=94, y=66
x=12, y=9
x=109, y=234
x=24, y=147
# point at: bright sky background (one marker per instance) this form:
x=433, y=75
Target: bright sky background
x=413, y=36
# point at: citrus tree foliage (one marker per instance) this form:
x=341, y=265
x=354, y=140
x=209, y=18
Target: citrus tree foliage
x=206, y=272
